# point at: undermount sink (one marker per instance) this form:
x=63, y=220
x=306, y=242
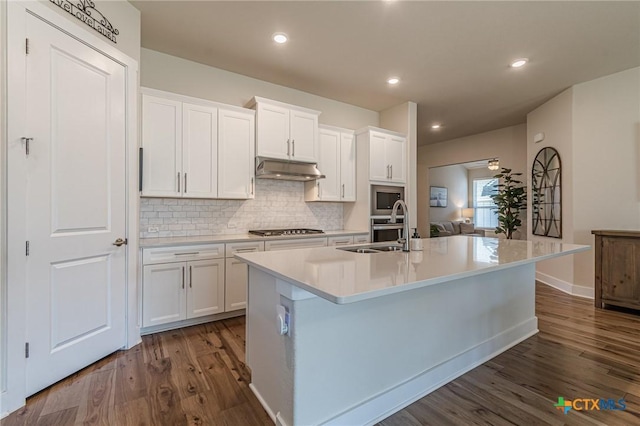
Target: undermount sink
x=371, y=249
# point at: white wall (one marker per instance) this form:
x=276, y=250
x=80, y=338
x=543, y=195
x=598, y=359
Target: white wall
x=3, y=197
x=508, y=144
x=173, y=74
x=554, y=118
x=595, y=126
x=455, y=179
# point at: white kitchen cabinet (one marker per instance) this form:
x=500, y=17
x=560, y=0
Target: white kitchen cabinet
x=236, y=152
x=337, y=161
x=344, y=240
x=284, y=131
x=361, y=239
x=180, y=283
x=295, y=243
x=199, y=152
x=387, y=155
x=237, y=274
x=161, y=142
x=195, y=148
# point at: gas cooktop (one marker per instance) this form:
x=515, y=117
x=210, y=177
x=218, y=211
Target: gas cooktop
x=278, y=232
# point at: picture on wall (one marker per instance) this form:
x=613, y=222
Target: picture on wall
x=438, y=196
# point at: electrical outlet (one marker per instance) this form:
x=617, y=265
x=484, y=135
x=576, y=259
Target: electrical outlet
x=153, y=229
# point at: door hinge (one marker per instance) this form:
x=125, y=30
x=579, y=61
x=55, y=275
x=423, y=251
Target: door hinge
x=26, y=350
x=26, y=46
x=26, y=249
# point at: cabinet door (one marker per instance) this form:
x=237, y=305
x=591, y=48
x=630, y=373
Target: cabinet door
x=236, y=154
x=329, y=165
x=163, y=289
x=205, y=290
x=272, y=131
x=396, y=157
x=199, y=151
x=347, y=167
x=620, y=269
x=162, y=146
x=235, y=288
x=304, y=136
x=361, y=239
x=378, y=165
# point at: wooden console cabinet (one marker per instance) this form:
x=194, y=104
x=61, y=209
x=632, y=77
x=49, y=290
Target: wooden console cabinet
x=617, y=274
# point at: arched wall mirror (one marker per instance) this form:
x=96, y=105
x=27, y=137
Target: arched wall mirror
x=546, y=197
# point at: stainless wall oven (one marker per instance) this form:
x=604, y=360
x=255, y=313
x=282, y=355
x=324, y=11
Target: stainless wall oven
x=383, y=197
x=382, y=230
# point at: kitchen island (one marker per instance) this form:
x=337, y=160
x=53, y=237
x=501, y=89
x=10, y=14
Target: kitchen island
x=366, y=334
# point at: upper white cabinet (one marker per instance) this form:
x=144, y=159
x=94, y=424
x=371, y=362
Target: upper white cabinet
x=387, y=155
x=195, y=148
x=337, y=161
x=284, y=131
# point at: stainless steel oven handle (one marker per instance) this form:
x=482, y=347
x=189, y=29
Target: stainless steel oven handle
x=386, y=227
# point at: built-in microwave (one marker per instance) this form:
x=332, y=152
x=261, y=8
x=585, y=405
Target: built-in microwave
x=383, y=197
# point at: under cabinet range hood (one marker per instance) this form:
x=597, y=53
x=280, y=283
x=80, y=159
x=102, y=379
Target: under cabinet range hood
x=269, y=168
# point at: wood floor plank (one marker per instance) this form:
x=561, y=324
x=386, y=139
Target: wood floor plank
x=197, y=376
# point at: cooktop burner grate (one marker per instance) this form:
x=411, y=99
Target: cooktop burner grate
x=278, y=232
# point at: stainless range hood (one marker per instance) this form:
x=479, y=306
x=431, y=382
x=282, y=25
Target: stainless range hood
x=269, y=168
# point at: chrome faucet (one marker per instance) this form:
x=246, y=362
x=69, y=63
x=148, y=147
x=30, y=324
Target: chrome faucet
x=394, y=211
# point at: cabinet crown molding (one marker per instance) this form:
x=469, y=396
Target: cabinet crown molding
x=257, y=99
x=379, y=130
x=192, y=100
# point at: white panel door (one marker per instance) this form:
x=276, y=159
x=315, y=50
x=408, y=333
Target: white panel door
x=163, y=290
x=397, y=158
x=304, y=136
x=347, y=167
x=199, y=151
x=205, y=292
x=378, y=165
x=236, y=281
x=162, y=146
x=329, y=165
x=272, y=131
x=236, y=161
x=76, y=205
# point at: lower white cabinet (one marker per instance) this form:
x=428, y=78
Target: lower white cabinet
x=180, y=283
x=237, y=275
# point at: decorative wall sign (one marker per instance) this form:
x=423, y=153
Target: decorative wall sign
x=85, y=11
x=438, y=197
x=546, y=194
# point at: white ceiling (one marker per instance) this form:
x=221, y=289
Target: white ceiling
x=452, y=57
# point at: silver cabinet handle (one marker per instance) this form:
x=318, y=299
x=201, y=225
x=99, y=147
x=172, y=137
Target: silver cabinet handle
x=288, y=147
x=390, y=168
x=387, y=171
x=251, y=185
x=185, y=183
x=342, y=243
x=26, y=142
x=183, y=277
x=190, y=277
x=178, y=181
x=343, y=190
x=187, y=254
x=293, y=150
x=246, y=250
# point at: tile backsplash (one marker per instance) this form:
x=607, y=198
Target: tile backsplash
x=278, y=204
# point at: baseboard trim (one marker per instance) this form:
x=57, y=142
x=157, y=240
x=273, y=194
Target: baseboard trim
x=405, y=394
x=564, y=286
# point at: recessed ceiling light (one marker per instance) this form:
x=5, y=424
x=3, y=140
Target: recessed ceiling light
x=393, y=80
x=519, y=63
x=436, y=126
x=280, y=38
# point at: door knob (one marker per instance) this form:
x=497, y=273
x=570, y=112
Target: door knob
x=120, y=242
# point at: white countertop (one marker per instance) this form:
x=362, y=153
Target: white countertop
x=345, y=277
x=229, y=238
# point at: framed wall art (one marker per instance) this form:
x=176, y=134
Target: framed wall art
x=438, y=196
x=546, y=194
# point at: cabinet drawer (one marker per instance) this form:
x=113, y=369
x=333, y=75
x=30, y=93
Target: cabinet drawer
x=182, y=253
x=340, y=241
x=245, y=247
x=295, y=244
x=360, y=239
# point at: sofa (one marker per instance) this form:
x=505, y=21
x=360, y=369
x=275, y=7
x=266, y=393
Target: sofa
x=446, y=229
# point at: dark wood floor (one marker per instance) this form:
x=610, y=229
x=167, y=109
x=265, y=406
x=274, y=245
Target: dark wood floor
x=197, y=376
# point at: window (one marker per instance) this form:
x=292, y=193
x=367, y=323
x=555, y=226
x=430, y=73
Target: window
x=484, y=212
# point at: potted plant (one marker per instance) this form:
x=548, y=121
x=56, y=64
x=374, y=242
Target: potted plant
x=510, y=198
